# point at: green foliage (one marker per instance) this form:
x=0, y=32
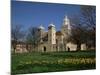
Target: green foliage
x=51, y=62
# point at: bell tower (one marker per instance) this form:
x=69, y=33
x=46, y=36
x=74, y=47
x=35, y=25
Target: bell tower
x=51, y=37
x=51, y=34
x=66, y=31
x=41, y=33
x=66, y=28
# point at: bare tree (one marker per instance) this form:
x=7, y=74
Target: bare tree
x=17, y=34
x=78, y=35
x=78, y=31
x=83, y=27
x=88, y=15
x=33, y=36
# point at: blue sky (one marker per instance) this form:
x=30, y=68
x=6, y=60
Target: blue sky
x=30, y=14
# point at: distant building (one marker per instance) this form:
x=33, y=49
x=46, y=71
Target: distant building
x=22, y=47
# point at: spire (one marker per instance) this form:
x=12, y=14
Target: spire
x=66, y=20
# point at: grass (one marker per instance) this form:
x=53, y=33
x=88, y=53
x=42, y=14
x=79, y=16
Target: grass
x=51, y=62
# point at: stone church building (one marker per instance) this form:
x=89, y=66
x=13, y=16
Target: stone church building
x=52, y=40
x=56, y=40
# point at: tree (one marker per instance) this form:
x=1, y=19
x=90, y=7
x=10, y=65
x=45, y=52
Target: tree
x=78, y=35
x=78, y=32
x=33, y=36
x=88, y=16
x=83, y=27
x=17, y=34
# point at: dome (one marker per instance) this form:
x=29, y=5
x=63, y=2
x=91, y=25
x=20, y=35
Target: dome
x=41, y=27
x=51, y=25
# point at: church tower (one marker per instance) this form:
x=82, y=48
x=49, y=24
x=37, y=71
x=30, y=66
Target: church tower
x=51, y=36
x=41, y=33
x=66, y=31
x=66, y=28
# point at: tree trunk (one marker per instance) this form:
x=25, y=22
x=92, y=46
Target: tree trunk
x=14, y=47
x=78, y=47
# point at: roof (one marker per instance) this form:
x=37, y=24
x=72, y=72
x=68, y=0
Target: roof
x=51, y=25
x=59, y=33
x=41, y=27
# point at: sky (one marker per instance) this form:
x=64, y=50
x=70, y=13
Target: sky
x=30, y=14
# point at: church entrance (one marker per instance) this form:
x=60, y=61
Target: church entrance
x=44, y=49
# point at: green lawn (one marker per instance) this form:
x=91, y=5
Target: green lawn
x=51, y=62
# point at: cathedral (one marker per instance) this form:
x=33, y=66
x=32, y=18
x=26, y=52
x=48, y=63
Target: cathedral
x=52, y=40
